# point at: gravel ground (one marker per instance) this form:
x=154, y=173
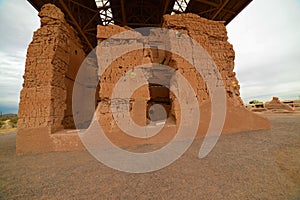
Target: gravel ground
x=246, y=165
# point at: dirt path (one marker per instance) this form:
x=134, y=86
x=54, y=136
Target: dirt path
x=247, y=165
x=8, y=130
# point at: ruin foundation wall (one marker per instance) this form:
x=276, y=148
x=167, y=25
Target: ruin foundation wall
x=276, y=104
x=55, y=55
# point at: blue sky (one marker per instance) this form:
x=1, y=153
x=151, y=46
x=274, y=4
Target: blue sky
x=265, y=36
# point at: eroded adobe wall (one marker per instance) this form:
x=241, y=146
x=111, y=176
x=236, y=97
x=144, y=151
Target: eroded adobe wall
x=114, y=72
x=55, y=54
x=53, y=59
x=212, y=36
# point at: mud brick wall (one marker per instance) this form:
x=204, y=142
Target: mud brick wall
x=53, y=59
x=55, y=55
x=212, y=36
x=115, y=71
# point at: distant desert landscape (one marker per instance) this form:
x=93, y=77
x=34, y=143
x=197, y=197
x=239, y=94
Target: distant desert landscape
x=8, y=123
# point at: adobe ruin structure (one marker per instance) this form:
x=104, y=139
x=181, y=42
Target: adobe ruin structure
x=276, y=104
x=56, y=53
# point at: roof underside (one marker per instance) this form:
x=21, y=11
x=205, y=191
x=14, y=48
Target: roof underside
x=85, y=15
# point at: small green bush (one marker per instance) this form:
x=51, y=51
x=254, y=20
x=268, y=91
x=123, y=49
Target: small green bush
x=13, y=121
x=255, y=102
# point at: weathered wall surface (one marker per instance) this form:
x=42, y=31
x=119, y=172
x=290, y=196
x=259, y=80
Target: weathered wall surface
x=212, y=36
x=115, y=71
x=53, y=59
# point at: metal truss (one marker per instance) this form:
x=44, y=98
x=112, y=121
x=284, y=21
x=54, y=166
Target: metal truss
x=105, y=12
x=180, y=6
x=85, y=15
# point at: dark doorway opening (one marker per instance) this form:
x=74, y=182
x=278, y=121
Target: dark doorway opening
x=159, y=94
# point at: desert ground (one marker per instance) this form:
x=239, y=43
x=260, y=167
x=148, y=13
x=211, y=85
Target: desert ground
x=245, y=165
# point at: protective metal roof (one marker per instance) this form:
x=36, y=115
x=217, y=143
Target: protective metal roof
x=85, y=15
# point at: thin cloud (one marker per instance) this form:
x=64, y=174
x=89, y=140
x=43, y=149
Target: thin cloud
x=18, y=20
x=266, y=40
